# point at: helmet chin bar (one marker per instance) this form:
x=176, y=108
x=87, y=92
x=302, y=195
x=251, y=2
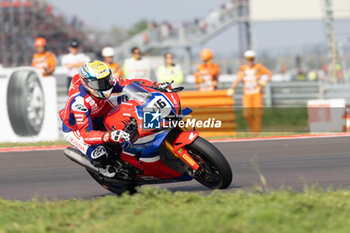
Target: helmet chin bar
x=109, y=93
x=102, y=94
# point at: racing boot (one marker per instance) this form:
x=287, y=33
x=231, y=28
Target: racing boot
x=104, y=162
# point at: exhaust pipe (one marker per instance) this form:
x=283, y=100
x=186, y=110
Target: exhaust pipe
x=77, y=157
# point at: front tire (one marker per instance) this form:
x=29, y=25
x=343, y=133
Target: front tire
x=214, y=172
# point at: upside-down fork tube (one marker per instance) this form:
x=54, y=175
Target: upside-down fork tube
x=181, y=152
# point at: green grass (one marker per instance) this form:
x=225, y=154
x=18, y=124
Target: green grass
x=278, y=120
x=156, y=210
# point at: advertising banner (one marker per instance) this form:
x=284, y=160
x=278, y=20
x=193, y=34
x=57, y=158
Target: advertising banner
x=28, y=105
x=326, y=115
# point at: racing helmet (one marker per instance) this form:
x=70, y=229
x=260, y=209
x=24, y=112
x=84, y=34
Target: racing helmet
x=97, y=79
x=207, y=54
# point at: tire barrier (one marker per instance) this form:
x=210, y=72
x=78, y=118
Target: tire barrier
x=28, y=107
x=211, y=105
x=25, y=102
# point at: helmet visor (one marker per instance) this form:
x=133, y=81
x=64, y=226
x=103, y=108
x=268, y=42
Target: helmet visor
x=103, y=84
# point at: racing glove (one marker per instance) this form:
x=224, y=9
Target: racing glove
x=163, y=87
x=116, y=136
x=122, y=99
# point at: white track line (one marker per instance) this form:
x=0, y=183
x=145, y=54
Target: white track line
x=292, y=137
x=279, y=138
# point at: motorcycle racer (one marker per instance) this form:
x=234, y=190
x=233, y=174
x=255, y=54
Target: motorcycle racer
x=88, y=102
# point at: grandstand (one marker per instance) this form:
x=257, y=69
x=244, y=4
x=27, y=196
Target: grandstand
x=21, y=21
x=186, y=36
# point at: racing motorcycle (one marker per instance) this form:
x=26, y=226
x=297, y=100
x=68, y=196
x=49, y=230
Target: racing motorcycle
x=162, y=150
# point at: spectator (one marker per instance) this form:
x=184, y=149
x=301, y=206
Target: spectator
x=229, y=8
x=251, y=75
x=165, y=30
x=241, y=7
x=338, y=69
x=301, y=75
x=285, y=76
x=323, y=72
x=73, y=60
x=43, y=60
x=222, y=13
x=207, y=73
x=213, y=20
x=153, y=32
x=312, y=75
x=169, y=71
x=108, y=55
x=136, y=66
x=203, y=26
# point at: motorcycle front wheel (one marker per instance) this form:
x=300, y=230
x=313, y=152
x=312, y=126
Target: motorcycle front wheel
x=214, y=171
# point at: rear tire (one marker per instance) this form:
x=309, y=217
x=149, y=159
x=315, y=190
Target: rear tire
x=116, y=188
x=216, y=171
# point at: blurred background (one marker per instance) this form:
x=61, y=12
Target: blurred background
x=305, y=44
x=288, y=36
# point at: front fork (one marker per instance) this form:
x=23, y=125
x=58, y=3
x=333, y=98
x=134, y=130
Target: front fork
x=178, y=148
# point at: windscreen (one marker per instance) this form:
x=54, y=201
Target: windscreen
x=135, y=91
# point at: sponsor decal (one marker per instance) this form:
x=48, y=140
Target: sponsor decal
x=98, y=152
x=79, y=108
x=78, y=105
x=77, y=144
x=188, y=159
x=192, y=135
x=92, y=104
x=106, y=136
x=99, y=68
x=174, y=100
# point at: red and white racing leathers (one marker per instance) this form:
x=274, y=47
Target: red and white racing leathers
x=83, y=116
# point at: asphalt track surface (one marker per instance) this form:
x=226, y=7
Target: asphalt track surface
x=284, y=163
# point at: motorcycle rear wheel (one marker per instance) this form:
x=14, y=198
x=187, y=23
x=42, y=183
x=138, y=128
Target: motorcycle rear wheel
x=214, y=172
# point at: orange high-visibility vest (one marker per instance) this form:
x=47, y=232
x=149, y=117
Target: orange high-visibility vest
x=44, y=62
x=251, y=76
x=116, y=70
x=206, y=74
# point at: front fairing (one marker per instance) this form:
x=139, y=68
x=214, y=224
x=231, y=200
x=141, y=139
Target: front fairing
x=144, y=153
